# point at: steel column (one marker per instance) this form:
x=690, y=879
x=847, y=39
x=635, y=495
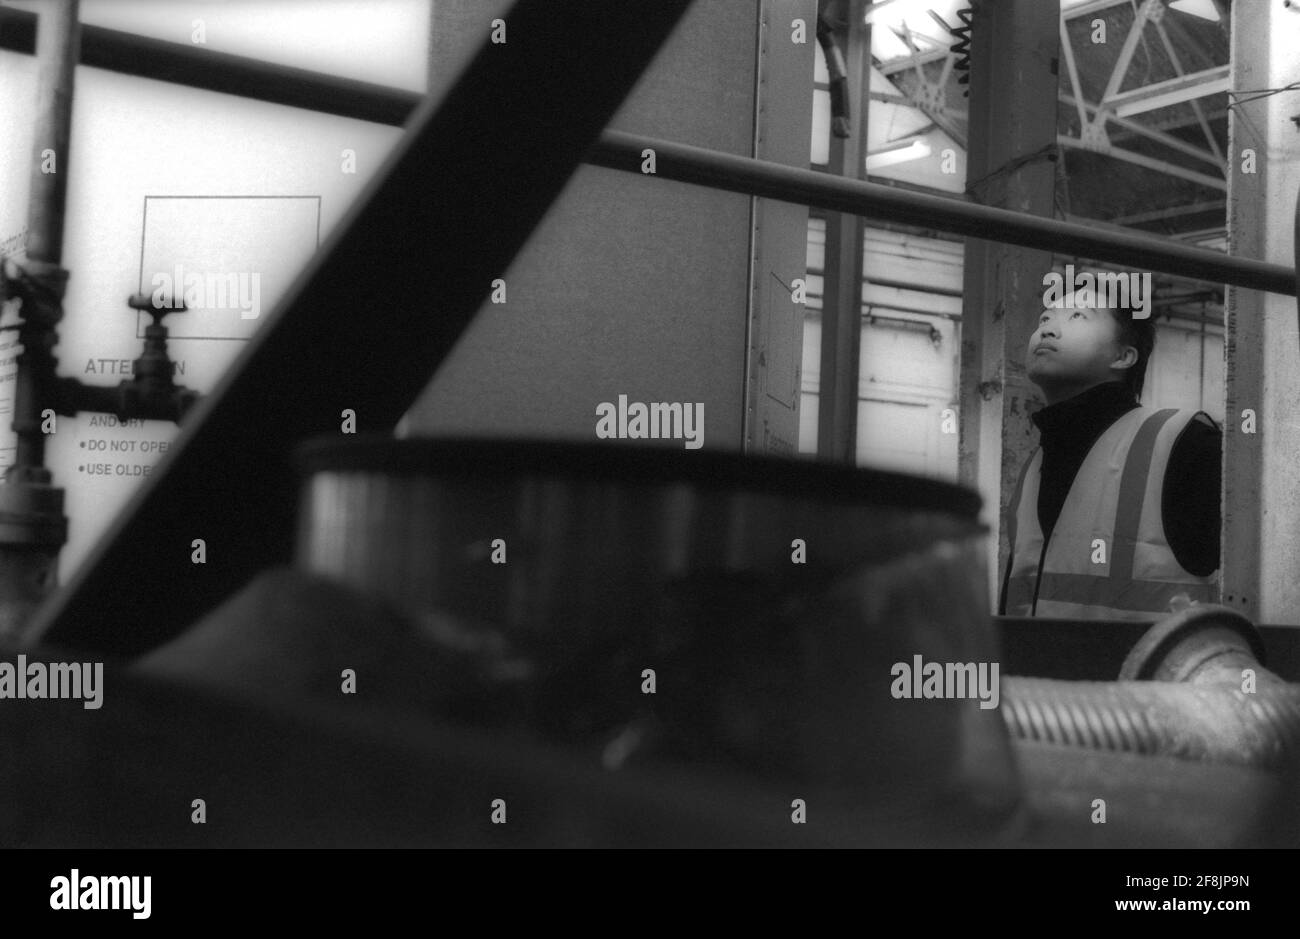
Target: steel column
x=837, y=408
x=1015, y=60
x=1241, y=574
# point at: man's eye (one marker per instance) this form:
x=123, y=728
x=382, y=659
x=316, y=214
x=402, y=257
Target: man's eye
x=1077, y=313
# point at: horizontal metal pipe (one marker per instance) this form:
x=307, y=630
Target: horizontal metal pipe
x=250, y=78
x=199, y=67
x=683, y=163
x=96, y=398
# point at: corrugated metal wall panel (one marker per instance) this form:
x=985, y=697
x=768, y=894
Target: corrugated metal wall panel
x=910, y=347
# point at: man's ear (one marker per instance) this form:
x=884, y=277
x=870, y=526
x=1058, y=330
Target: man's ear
x=1127, y=358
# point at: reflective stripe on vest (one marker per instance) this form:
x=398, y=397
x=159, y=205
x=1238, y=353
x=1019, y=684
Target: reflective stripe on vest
x=1116, y=499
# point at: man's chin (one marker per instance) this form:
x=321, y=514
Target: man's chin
x=1042, y=379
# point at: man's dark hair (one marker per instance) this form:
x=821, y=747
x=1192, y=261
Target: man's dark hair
x=1141, y=335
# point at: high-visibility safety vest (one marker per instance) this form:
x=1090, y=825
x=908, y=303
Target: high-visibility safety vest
x=1107, y=557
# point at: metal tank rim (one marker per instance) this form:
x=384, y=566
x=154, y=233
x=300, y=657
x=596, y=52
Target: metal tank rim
x=483, y=458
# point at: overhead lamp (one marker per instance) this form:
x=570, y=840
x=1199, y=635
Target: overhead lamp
x=1205, y=9
x=900, y=152
x=875, y=8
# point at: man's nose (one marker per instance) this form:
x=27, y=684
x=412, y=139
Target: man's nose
x=1047, y=326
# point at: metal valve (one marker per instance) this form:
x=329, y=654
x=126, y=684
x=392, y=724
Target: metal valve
x=142, y=301
x=154, y=364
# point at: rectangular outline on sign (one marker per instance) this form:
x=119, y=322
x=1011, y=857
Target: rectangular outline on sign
x=139, y=328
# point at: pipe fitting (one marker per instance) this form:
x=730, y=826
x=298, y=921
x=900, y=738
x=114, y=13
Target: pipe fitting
x=1204, y=643
x=1183, y=692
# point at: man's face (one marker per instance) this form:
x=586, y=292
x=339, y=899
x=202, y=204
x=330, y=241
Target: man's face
x=1074, y=349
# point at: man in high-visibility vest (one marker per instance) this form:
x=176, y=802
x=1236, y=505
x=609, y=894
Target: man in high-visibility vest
x=1116, y=514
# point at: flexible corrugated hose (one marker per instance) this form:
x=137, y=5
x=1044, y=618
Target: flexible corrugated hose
x=1217, y=722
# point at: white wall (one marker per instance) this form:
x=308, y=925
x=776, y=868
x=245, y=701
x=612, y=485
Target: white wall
x=133, y=138
x=1186, y=368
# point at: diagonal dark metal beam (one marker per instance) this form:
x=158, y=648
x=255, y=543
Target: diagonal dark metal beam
x=369, y=320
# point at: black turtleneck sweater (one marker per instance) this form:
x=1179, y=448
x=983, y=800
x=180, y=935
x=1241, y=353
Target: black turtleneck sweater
x=1190, y=508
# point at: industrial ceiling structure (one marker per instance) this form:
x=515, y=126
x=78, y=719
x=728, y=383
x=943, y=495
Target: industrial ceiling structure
x=1142, y=119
